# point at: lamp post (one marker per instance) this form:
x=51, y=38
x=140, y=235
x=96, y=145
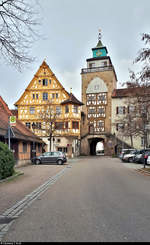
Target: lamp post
x=34, y=127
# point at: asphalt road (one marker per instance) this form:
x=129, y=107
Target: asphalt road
x=97, y=199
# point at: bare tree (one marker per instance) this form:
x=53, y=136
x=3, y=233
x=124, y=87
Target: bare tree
x=144, y=58
x=48, y=115
x=17, y=31
x=140, y=86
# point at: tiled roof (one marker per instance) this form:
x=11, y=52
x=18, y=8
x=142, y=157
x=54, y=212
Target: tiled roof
x=127, y=92
x=15, y=112
x=72, y=100
x=20, y=130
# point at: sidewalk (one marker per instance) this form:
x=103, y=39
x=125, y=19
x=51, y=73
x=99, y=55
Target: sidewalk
x=14, y=189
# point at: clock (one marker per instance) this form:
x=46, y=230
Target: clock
x=98, y=53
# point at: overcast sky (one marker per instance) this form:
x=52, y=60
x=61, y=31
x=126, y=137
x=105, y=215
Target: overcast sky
x=69, y=30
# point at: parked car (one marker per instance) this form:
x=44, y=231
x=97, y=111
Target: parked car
x=128, y=157
x=144, y=156
x=138, y=158
x=148, y=159
x=125, y=151
x=50, y=157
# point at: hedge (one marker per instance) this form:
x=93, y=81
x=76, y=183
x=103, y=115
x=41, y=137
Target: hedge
x=7, y=161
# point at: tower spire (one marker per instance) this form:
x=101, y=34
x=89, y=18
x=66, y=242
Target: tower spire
x=99, y=44
x=99, y=35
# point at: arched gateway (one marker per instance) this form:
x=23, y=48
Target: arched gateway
x=96, y=146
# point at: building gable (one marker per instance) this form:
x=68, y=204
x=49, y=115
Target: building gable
x=43, y=81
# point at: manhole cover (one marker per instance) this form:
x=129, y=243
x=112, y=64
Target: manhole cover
x=5, y=220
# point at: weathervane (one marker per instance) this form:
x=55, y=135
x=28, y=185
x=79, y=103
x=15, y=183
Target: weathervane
x=99, y=35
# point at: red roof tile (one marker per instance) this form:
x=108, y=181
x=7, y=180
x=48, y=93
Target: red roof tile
x=20, y=130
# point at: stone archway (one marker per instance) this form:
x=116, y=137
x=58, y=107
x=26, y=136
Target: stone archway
x=92, y=145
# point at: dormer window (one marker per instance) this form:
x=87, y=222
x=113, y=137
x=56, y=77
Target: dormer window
x=45, y=82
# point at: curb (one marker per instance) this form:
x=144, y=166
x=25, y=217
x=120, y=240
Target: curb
x=11, y=177
x=143, y=171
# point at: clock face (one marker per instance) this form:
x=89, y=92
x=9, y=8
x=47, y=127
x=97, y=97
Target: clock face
x=98, y=53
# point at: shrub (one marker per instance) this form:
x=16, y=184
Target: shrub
x=7, y=161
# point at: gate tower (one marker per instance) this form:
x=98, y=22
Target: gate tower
x=98, y=82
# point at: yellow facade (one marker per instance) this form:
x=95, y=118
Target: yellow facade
x=45, y=87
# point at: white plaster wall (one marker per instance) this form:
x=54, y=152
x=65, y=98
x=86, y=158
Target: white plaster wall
x=122, y=102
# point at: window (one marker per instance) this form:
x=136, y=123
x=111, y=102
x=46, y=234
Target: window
x=56, y=95
x=28, y=125
x=58, y=110
x=102, y=98
x=53, y=96
x=66, y=125
x=119, y=126
x=33, y=95
x=131, y=108
x=45, y=96
x=37, y=96
x=97, y=87
x=120, y=110
x=58, y=140
x=75, y=125
x=91, y=97
x=92, y=110
x=75, y=109
x=39, y=81
x=24, y=147
x=49, y=81
x=45, y=82
x=101, y=110
x=32, y=110
x=62, y=149
x=100, y=124
x=38, y=125
x=59, y=125
x=66, y=109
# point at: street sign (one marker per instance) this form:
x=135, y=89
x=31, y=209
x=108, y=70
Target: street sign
x=12, y=120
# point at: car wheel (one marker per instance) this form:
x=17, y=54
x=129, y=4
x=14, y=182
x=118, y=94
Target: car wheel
x=59, y=162
x=37, y=161
x=130, y=159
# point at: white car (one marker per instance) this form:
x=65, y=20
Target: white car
x=125, y=151
x=129, y=156
x=148, y=160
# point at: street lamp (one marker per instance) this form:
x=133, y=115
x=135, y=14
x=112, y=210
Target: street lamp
x=34, y=127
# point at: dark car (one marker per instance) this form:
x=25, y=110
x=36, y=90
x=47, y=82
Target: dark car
x=145, y=156
x=139, y=158
x=50, y=157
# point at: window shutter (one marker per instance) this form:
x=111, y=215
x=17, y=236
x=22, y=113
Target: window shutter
x=117, y=110
x=124, y=110
x=117, y=126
